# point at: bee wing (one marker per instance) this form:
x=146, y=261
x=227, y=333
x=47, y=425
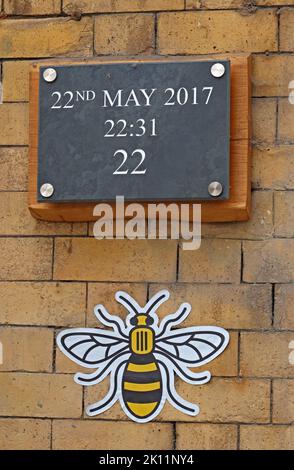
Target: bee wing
x=89, y=347
x=194, y=346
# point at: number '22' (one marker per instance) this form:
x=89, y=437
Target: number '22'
x=124, y=154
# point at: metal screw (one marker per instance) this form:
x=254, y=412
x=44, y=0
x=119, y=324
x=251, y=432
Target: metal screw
x=46, y=190
x=215, y=188
x=49, y=75
x=217, y=70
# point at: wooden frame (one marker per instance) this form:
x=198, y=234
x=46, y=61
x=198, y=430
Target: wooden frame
x=236, y=208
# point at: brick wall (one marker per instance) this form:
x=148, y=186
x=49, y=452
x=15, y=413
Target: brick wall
x=52, y=274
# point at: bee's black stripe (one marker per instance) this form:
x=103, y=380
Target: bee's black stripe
x=142, y=377
x=142, y=397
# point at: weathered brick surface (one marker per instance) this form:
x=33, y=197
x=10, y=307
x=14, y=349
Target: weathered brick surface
x=273, y=167
x=109, y=260
x=206, y=436
x=214, y=261
x=286, y=121
x=14, y=123
x=15, y=78
x=283, y=401
x=106, y=6
x=268, y=261
x=129, y=33
x=246, y=6
x=265, y=354
x=13, y=168
x=25, y=434
x=203, y=32
x=71, y=435
x=26, y=349
x=42, y=395
x=284, y=301
x=43, y=303
x=267, y=437
x=32, y=7
x=46, y=38
x=264, y=120
x=284, y=214
x=272, y=74
x=286, y=30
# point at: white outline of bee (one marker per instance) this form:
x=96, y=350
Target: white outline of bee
x=173, y=352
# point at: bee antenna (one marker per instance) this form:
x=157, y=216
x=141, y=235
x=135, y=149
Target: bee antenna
x=164, y=295
x=125, y=300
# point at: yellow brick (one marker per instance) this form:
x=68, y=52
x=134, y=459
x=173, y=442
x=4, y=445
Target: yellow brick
x=260, y=224
x=32, y=7
x=26, y=349
x=14, y=122
x=214, y=261
x=272, y=74
x=203, y=32
x=266, y=354
x=25, y=258
x=264, y=114
x=109, y=260
x=40, y=395
x=13, y=168
x=110, y=435
x=284, y=301
x=229, y=306
x=46, y=38
x=246, y=5
x=15, y=219
x=286, y=121
x=267, y=437
x=124, y=34
x=268, y=261
x=273, y=167
x=284, y=217
x=44, y=303
x=200, y=436
x=15, y=76
x=286, y=30
x=100, y=293
x=283, y=401
x=25, y=434
x=106, y=6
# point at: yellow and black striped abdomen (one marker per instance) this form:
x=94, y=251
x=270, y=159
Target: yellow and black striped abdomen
x=142, y=385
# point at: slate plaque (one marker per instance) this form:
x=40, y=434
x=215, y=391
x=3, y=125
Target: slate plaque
x=151, y=131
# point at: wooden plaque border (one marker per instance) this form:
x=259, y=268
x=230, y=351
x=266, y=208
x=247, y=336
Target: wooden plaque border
x=236, y=208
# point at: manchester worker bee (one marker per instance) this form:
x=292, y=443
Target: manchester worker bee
x=142, y=356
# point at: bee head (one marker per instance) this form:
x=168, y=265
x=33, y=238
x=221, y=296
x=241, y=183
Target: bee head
x=141, y=319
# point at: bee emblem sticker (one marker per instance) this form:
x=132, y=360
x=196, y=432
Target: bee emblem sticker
x=142, y=356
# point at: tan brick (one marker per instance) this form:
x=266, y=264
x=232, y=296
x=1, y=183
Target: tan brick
x=267, y=437
x=109, y=260
x=15, y=76
x=272, y=74
x=14, y=122
x=46, y=37
x=105, y=6
x=15, y=219
x=283, y=401
x=40, y=395
x=264, y=115
x=229, y=306
x=25, y=258
x=214, y=261
x=273, y=167
x=285, y=121
x=286, y=30
x=43, y=303
x=221, y=400
x=32, y=7
x=106, y=434
x=250, y=7
x=284, y=216
x=26, y=349
x=124, y=34
x=259, y=226
x=268, y=261
x=65, y=365
x=100, y=293
x=284, y=301
x=200, y=436
x=25, y=434
x=203, y=32
x=13, y=168
x=266, y=354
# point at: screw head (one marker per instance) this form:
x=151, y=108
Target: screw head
x=215, y=188
x=46, y=190
x=49, y=75
x=217, y=70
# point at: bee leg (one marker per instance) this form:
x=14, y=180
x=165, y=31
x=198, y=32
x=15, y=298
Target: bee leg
x=112, y=395
x=176, y=400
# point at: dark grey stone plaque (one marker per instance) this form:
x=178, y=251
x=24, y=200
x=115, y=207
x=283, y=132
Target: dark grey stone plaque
x=150, y=131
